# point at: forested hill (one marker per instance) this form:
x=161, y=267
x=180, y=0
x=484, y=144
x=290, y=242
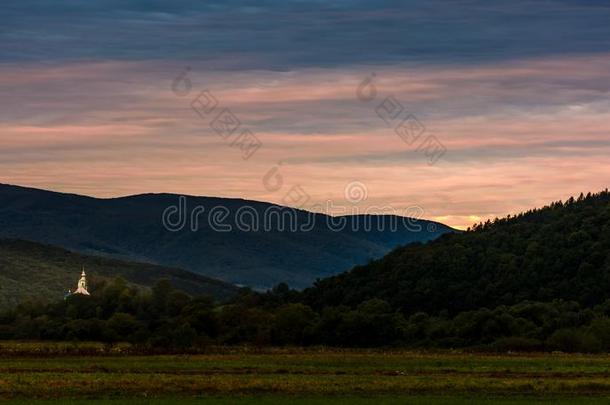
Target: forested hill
x=561, y=251
x=32, y=270
x=538, y=281
x=259, y=253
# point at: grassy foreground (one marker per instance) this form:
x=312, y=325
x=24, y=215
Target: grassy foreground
x=396, y=400
x=300, y=376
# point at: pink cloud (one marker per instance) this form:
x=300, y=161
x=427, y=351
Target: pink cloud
x=519, y=134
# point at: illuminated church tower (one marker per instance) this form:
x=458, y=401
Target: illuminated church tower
x=82, y=284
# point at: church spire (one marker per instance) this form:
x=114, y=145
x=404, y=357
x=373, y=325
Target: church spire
x=82, y=284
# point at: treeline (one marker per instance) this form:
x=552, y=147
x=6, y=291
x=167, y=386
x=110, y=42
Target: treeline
x=165, y=319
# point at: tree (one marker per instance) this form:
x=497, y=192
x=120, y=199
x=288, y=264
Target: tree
x=292, y=324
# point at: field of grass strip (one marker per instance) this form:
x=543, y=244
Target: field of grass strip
x=320, y=375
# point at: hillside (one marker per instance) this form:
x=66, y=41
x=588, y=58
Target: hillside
x=537, y=281
x=45, y=272
x=131, y=228
x=561, y=251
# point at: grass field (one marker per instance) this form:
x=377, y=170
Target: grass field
x=299, y=376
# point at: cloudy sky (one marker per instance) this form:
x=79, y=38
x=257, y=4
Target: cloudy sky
x=510, y=99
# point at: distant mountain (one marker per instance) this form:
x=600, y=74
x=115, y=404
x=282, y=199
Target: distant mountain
x=29, y=269
x=289, y=245
x=561, y=251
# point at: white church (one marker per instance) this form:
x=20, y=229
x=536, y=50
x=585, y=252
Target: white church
x=81, y=287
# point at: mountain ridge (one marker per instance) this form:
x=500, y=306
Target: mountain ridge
x=132, y=228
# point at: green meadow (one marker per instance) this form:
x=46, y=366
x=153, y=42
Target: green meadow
x=349, y=400
x=63, y=374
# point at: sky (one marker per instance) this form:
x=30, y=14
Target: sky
x=466, y=109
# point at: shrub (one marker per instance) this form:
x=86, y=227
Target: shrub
x=574, y=341
x=516, y=344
